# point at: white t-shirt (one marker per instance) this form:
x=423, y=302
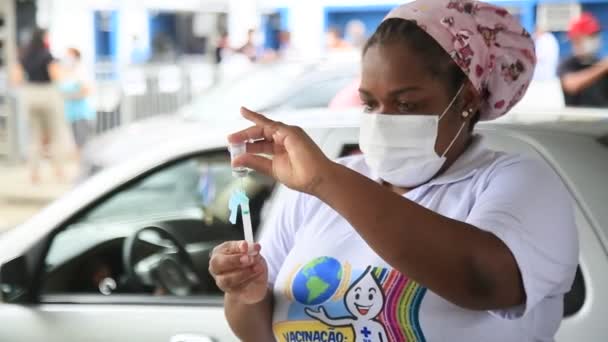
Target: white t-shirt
x=329, y=285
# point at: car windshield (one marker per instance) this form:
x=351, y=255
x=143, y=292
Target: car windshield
x=257, y=89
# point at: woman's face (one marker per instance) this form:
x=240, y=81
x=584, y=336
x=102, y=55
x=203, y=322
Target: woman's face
x=395, y=81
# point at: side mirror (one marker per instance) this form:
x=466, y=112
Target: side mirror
x=13, y=279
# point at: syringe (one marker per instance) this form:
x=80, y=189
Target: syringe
x=239, y=197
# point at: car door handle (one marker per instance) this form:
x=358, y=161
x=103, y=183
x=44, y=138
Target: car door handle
x=191, y=338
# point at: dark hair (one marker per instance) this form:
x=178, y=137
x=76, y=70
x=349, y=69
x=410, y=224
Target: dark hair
x=435, y=58
x=37, y=41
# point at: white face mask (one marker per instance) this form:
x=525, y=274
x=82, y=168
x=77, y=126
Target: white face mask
x=590, y=46
x=400, y=149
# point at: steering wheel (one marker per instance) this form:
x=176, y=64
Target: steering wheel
x=170, y=269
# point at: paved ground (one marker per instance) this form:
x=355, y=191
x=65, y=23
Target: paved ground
x=20, y=199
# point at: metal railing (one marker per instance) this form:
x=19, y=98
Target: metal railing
x=121, y=96
x=8, y=129
x=138, y=92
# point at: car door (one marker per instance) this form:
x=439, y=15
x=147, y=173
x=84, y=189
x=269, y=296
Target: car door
x=579, y=159
x=83, y=291
x=582, y=305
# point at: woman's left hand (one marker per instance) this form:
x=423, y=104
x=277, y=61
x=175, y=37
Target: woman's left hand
x=296, y=160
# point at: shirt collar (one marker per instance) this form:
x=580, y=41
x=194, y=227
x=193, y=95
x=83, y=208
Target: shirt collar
x=474, y=157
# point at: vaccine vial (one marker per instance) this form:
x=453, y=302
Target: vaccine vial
x=237, y=149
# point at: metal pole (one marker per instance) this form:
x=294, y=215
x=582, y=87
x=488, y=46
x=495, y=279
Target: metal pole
x=8, y=55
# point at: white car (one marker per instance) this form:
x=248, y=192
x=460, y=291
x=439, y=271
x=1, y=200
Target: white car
x=268, y=88
x=123, y=257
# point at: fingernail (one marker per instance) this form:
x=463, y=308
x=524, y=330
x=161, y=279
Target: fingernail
x=245, y=259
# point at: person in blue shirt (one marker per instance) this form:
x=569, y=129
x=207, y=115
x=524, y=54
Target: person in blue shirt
x=76, y=91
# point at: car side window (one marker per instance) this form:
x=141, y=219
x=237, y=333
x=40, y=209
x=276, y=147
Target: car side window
x=575, y=298
x=153, y=236
x=316, y=95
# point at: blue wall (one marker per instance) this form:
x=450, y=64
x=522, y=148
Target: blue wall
x=272, y=29
x=371, y=16
x=105, y=35
x=165, y=23
x=600, y=10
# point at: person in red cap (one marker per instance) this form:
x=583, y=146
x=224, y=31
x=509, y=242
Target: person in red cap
x=584, y=76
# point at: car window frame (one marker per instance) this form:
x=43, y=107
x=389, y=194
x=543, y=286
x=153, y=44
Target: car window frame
x=37, y=297
x=284, y=104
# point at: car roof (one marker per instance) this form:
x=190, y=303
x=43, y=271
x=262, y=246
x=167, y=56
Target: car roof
x=585, y=121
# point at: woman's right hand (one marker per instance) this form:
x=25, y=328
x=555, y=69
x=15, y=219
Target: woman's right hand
x=239, y=273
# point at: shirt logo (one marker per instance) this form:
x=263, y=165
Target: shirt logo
x=326, y=305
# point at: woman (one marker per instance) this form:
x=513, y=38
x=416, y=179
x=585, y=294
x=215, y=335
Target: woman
x=427, y=236
x=41, y=102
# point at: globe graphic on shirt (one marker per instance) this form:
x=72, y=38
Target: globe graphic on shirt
x=317, y=281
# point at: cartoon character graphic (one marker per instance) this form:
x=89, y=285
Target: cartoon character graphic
x=490, y=34
x=502, y=12
x=448, y=21
x=492, y=62
x=463, y=6
x=364, y=300
x=485, y=91
x=463, y=53
x=511, y=72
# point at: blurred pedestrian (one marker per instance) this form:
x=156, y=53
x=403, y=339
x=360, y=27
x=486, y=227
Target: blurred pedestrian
x=584, y=76
x=547, y=55
x=249, y=49
x=163, y=48
x=335, y=41
x=76, y=90
x=355, y=33
x=37, y=71
x=286, y=50
x=222, y=47
x=282, y=50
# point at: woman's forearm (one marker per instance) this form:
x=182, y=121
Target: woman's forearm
x=250, y=323
x=464, y=265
